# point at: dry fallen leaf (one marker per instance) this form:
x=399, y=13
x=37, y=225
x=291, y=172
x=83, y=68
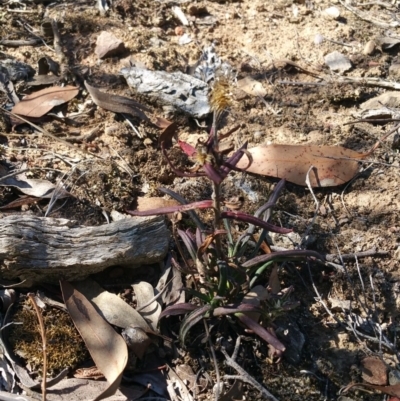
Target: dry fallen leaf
x=389, y=390
x=251, y=87
x=374, y=370
x=106, y=346
x=39, y=103
x=34, y=187
x=254, y=297
x=75, y=389
x=273, y=281
x=144, y=294
x=174, y=293
x=154, y=202
x=167, y=134
x=110, y=306
x=117, y=104
x=333, y=165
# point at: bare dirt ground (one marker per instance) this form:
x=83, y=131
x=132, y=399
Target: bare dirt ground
x=268, y=41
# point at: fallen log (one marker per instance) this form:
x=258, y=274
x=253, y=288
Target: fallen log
x=39, y=249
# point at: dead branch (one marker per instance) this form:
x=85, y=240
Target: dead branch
x=243, y=375
x=43, y=249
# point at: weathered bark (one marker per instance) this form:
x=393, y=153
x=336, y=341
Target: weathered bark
x=40, y=249
x=182, y=91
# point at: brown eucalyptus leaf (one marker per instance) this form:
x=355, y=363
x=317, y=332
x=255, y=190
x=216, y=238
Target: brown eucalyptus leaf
x=333, y=165
x=21, y=201
x=110, y=306
x=154, y=202
x=106, y=346
x=39, y=103
x=117, y=104
x=76, y=389
x=374, y=370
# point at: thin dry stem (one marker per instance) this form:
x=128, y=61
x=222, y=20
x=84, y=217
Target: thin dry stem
x=218, y=388
x=243, y=375
x=44, y=342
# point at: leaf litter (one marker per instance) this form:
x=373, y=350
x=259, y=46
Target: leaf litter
x=106, y=346
x=326, y=166
x=39, y=103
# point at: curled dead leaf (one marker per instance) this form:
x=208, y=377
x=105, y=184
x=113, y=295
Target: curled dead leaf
x=117, y=104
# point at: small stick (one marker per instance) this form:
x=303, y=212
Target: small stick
x=155, y=297
x=48, y=134
x=31, y=297
x=57, y=42
x=366, y=17
x=301, y=83
x=219, y=386
x=30, y=30
x=308, y=183
x=243, y=375
x=17, y=43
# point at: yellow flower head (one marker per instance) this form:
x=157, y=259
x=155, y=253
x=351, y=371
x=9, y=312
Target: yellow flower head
x=220, y=96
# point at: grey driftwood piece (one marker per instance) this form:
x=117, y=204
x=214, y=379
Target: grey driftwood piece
x=39, y=249
x=180, y=90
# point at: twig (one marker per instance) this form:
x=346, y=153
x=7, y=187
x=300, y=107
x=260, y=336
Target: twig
x=346, y=256
x=308, y=183
x=155, y=297
x=9, y=10
x=364, y=254
x=372, y=82
x=366, y=17
x=26, y=26
x=319, y=298
x=132, y=126
x=46, y=133
x=219, y=385
x=31, y=297
x=57, y=42
x=17, y=43
x=243, y=375
x=301, y=83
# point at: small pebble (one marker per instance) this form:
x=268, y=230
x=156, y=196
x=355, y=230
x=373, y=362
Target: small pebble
x=107, y=45
x=369, y=48
x=337, y=62
x=318, y=39
x=331, y=13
